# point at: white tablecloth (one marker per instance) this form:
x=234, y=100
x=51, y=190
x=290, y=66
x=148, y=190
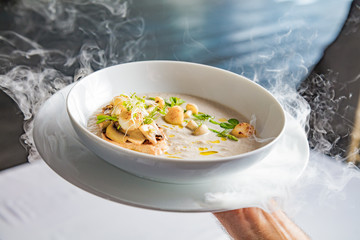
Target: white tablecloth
x=35, y=203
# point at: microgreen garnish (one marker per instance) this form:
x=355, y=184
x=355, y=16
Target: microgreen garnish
x=214, y=122
x=225, y=134
x=174, y=101
x=202, y=116
x=228, y=125
x=231, y=137
x=162, y=111
x=148, y=121
x=133, y=102
x=151, y=117
x=233, y=121
x=103, y=118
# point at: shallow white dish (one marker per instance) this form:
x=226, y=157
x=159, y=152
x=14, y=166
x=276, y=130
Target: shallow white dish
x=60, y=148
x=232, y=90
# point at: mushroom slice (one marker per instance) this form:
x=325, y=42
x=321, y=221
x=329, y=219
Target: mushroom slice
x=150, y=131
x=136, y=136
x=104, y=124
x=114, y=134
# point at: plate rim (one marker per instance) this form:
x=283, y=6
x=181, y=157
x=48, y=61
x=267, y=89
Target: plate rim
x=88, y=188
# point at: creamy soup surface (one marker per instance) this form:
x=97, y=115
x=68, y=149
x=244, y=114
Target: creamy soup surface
x=183, y=144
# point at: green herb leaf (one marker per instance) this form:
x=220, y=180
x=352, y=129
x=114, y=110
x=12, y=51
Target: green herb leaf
x=174, y=101
x=133, y=102
x=150, y=118
x=231, y=137
x=225, y=134
x=233, y=121
x=127, y=105
x=214, y=122
x=202, y=116
x=227, y=125
x=230, y=124
x=103, y=118
x=213, y=130
x=142, y=100
x=162, y=111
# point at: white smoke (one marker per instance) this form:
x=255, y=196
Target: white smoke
x=314, y=105
x=75, y=38
x=33, y=68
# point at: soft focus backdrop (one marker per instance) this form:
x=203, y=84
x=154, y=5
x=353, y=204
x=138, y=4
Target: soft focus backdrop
x=45, y=45
x=304, y=51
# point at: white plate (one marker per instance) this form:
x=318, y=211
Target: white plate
x=59, y=146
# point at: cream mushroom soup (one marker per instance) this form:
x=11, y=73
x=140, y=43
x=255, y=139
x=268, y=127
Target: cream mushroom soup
x=174, y=126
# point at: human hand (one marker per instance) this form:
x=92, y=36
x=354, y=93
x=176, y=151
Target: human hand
x=255, y=223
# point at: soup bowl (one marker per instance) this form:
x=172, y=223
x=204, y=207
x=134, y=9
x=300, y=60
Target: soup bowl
x=235, y=91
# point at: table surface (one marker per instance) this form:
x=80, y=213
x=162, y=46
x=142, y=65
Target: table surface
x=44, y=46
x=37, y=204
